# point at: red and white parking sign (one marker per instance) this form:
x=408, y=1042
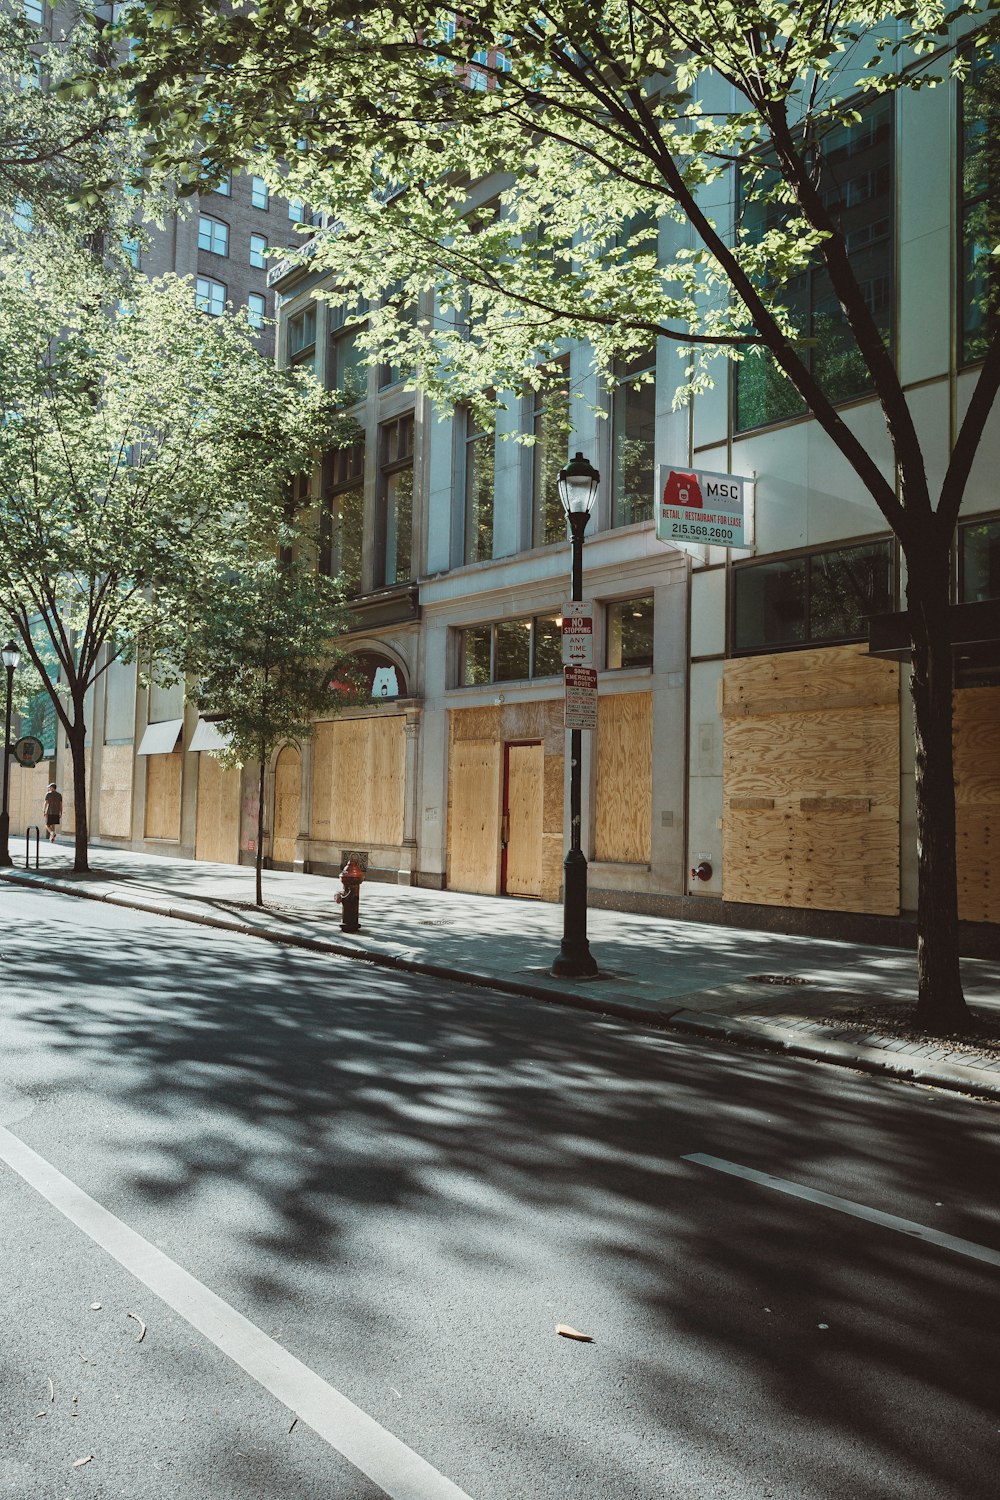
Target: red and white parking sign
x=578, y=634
x=697, y=506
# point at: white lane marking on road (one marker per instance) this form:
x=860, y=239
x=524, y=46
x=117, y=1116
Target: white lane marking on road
x=389, y=1463
x=856, y=1210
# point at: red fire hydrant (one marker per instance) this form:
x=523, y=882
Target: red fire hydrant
x=351, y=877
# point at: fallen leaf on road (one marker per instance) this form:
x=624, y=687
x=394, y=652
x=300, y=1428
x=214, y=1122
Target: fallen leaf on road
x=41, y=1413
x=294, y=1420
x=95, y=1307
x=52, y=1394
x=566, y=1332
x=79, y=1462
x=142, y=1326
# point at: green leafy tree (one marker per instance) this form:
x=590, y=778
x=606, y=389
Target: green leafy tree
x=65, y=146
x=143, y=445
x=264, y=661
x=597, y=121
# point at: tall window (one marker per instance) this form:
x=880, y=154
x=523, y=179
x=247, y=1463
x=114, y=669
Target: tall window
x=302, y=337
x=258, y=251
x=209, y=296
x=213, y=235
x=390, y=374
x=633, y=431
x=34, y=10
x=855, y=173
x=479, y=470
x=822, y=598
x=225, y=187
x=979, y=561
x=348, y=367
x=395, y=495
x=343, y=522
x=260, y=195
x=550, y=430
x=256, y=306
x=980, y=192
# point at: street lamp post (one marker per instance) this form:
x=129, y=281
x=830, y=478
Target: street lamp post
x=10, y=655
x=577, y=490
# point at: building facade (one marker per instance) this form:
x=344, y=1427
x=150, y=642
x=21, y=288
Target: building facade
x=752, y=728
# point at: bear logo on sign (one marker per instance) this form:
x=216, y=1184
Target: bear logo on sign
x=683, y=489
x=385, y=683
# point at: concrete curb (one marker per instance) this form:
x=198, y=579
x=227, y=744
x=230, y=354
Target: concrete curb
x=704, y=1024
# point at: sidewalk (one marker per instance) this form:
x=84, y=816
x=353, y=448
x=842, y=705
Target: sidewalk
x=792, y=994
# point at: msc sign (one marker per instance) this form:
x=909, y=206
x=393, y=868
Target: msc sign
x=693, y=505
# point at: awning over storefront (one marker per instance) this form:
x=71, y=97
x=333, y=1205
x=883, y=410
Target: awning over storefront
x=208, y=736
x=160, y=739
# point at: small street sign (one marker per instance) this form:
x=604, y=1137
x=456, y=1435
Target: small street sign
x=693, y=505
x=578, y=634
x=581, y=697
x=28, y=750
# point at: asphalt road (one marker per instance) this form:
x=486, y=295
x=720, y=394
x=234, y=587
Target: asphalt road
x=398, y=1189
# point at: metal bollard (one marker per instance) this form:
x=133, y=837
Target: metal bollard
x=350, y=897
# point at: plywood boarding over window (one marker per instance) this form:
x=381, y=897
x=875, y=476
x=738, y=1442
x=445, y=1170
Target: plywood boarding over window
x=359, y=781
x=623, y=825
x=474, y=817
x=217, y=824
x=115, y=813
x=498, y=725
x=69, y=802
x=977, y=802
x=287, y=779
x=27, y=794
x=163, y=796
x=811, y=781
x=525, y=813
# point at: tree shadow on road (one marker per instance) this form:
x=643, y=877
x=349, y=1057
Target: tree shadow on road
x=351, y=1135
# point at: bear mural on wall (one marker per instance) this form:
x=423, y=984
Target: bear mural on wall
x=385, y=683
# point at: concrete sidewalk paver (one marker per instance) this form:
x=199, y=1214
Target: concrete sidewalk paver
x=770, y=990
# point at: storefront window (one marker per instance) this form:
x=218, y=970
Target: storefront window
x=630, y=633
x=818, y=598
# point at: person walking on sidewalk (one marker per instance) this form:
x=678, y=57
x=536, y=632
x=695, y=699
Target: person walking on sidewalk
x=53, y=811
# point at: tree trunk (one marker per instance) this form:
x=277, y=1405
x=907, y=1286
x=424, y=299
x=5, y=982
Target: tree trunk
x=77, y=749
x=259, y=864
x=941, y=1004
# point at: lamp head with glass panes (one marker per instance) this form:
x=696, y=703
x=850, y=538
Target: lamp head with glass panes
x=10, y=655
x=578, y=486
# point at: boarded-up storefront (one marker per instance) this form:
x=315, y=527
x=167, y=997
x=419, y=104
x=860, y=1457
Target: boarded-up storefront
x=624, y=802
x=359, y=781
x=115, y=809
x=287, y=781
x=505, y=785
x=27, y=794
x=811, y=781
x=977, y=802
x=163, y=796
x=69, y=799
x=217, y=825
x=164, y=775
